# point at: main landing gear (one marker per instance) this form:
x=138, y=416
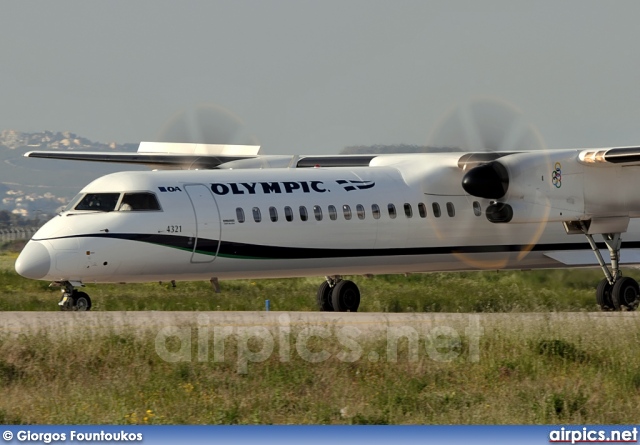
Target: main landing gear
x=614, y=292
x=336, y=294
x=72, y=299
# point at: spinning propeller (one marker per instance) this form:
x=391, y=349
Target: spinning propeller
x=206, y=123
x=487, y=129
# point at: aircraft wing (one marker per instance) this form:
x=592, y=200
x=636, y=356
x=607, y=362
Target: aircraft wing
x=185, y=156
x=162, y=155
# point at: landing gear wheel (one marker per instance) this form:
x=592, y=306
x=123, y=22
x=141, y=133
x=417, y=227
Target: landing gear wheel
x=345, y=296
x=625, y=294
x=603, y=295
x=82, y=302
x=75, y=301
x=323, y=297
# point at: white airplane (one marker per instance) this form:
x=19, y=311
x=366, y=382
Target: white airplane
x=226, y=212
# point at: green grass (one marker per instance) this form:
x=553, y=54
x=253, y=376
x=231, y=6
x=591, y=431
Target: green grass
x=489, y=291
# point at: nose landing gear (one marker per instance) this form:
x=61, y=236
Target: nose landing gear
x=72, y=299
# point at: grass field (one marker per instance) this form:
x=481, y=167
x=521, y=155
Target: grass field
x=581, y=372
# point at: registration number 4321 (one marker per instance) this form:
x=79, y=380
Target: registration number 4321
x=174, y=229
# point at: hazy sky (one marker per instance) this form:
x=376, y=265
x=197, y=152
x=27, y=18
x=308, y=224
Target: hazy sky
x=315, y=76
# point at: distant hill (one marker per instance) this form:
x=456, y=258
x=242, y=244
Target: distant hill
x=33, y=187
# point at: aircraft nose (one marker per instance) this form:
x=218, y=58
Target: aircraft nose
x=34, y=261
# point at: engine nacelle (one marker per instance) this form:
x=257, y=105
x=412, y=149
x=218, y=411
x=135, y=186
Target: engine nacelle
x=555, y=186
x=544, y=186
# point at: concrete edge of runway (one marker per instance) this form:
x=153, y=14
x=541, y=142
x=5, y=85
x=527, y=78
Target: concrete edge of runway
x=371, y=323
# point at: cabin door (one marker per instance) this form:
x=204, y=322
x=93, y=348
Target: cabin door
x=208, y=226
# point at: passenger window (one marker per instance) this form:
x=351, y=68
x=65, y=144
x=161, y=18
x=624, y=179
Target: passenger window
x=257, y=216
x=317, y=211
x=451, y=210
x=333, y=213
x=360, y=211
x=139, y=202
x=240, y=215
x=436, y=209
x=347, y=212
x=392, y=211
x=375, y=210
x=288, y=214
x=477, y=210
x=273, y=214
x=422, y=209
x=303, y=213
x=408, y=211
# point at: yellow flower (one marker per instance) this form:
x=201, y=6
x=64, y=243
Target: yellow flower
x=132, y=418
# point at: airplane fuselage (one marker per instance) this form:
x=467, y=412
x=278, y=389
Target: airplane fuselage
x=402, y=217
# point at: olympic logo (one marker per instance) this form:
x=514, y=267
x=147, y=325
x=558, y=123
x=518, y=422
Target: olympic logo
x=556, y=175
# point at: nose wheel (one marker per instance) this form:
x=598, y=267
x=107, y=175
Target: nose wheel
x=73, y=299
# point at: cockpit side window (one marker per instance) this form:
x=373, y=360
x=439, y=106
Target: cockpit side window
x=99, y=202
x=73, y=202
x=142, y=201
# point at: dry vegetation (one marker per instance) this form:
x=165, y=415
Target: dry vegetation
x=538, y=373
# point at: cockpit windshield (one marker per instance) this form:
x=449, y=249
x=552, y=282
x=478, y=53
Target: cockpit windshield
x=139, y=201
x=73, y=202
x=108, y=202
x=99, y=202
